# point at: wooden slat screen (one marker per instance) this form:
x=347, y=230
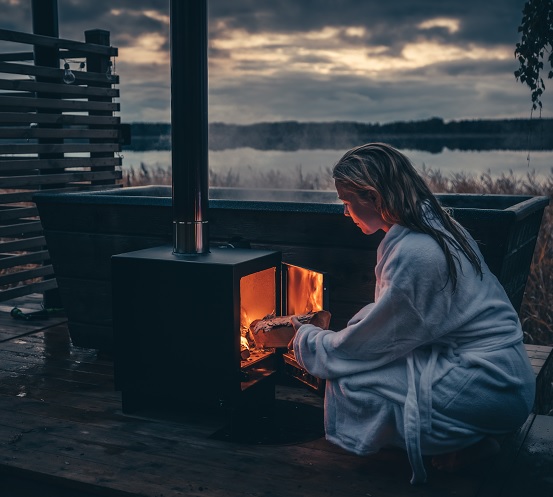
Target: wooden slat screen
x=54, y=134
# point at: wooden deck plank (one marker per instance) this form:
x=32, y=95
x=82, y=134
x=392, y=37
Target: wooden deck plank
x=541, y=358
x=18, y=483
x=84, y=366
x=11, y=328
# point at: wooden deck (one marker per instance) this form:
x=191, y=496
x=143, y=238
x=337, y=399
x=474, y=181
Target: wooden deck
x=62, y=433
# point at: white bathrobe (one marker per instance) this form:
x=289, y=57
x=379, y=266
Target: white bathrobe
x=422, y=368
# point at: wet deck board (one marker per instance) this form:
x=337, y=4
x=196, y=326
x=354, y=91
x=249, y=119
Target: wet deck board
x=11, y=328
x=62, y=431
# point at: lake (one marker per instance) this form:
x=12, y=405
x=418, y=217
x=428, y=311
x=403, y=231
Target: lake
x=277, y=169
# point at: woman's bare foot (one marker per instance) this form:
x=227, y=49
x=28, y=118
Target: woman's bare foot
x=455, y=461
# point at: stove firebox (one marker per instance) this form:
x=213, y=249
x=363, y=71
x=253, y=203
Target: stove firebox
x=177, y=327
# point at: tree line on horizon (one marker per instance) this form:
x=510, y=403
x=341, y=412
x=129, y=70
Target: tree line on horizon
x=432, y=135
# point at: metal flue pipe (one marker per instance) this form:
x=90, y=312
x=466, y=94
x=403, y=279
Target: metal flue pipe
x=189, y=126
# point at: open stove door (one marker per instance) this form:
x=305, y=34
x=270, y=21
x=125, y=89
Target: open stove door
x=303, y=290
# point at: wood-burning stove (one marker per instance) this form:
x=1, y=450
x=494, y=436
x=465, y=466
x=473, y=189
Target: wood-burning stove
x=179, y=322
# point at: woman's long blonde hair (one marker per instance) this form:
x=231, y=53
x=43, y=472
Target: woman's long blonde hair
x=379, y=172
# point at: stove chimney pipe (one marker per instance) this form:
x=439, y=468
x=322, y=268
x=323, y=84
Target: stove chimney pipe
x=189, y=126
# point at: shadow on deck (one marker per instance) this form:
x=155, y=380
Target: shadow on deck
x=62, y=433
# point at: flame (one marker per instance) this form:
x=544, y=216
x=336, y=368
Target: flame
x=257, y=297
x=304, y=291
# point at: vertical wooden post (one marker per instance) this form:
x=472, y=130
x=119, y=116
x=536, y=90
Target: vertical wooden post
x=100, y=64
x=45, y=22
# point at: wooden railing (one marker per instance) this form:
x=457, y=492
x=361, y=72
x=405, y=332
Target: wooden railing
x=58, y=132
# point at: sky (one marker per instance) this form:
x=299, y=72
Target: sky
x=317, y=60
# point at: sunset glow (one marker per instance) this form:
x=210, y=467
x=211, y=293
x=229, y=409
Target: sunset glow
x=147, y=49
x=426, y=53
x=324, y=52
x=158, y=16
x=452, y=25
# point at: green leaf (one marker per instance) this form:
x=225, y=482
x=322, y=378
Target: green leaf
x=535, y=47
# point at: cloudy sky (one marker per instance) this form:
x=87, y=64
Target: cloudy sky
x=317, y=60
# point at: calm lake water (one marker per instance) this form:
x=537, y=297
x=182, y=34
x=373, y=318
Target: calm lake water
x=273, y=168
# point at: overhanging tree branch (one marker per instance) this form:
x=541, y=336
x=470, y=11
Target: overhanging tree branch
x=536, y=45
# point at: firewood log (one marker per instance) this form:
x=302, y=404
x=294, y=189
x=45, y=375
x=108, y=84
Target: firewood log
x=277, y=331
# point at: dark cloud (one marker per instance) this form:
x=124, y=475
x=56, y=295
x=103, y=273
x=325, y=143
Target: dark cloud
x=389, y=23
x=468, y=69
x=265, y=89
x=16, y=17
x=76, y=16
x=392, y=22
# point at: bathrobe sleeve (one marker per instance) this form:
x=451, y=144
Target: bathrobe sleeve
x=412, y=307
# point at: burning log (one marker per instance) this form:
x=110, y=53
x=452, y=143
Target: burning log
x=244, y=348
x=277, y=331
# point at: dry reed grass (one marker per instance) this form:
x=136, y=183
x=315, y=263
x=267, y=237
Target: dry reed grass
x=536, y=311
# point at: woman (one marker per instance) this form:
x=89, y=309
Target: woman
x=436, y=364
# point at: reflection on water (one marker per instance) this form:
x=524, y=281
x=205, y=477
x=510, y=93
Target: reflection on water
x=247, y=162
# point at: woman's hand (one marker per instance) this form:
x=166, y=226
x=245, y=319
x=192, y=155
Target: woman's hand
x=321, y=319
x=296, y=324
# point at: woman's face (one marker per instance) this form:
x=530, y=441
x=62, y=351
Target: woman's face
x=363, y=213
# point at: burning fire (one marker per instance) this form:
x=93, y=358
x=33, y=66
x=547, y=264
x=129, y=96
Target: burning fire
x=304, y=294
x=304, y=291
x=257, y=297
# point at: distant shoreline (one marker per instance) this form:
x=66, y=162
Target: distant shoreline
x=432, y=135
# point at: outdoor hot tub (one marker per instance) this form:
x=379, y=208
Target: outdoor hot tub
x=84, y=230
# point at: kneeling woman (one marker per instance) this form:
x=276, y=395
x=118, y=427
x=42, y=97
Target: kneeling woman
x=436, y=364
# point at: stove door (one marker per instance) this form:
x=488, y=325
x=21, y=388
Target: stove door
x=303, y=290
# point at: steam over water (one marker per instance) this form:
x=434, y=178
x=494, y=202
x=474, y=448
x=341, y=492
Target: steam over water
x=249, y=166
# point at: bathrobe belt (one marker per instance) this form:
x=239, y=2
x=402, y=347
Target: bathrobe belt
x=418, y=402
